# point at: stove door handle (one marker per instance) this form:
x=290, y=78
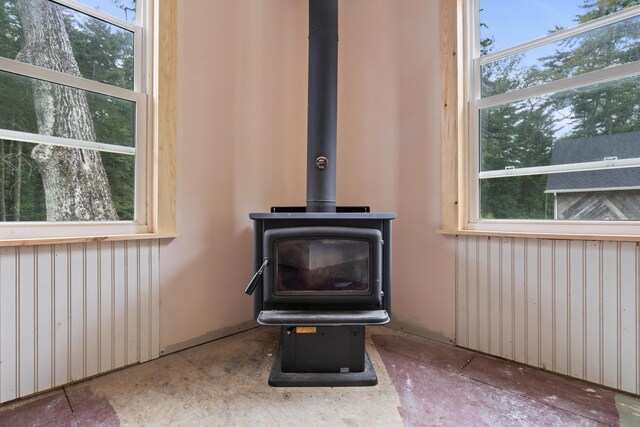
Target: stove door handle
x=254, y=280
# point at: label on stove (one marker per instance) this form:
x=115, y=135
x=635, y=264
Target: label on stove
x=305, y=329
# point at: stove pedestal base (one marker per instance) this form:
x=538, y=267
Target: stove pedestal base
x=322, y=356
x=368, y=377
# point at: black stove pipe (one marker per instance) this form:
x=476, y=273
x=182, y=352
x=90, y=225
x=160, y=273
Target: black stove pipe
x=322, y=108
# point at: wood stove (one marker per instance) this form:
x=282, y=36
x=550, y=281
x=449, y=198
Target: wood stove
x=322, y=272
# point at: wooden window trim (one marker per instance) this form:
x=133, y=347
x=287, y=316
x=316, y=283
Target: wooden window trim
x=86, y=239
x=452, y=115
x=165, y=96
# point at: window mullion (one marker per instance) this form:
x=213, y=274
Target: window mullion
x=35, y=72
x=139, y=80
x=64, y=142
x=574, y=82
x=563, y=168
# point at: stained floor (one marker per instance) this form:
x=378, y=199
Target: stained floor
x=421, y=383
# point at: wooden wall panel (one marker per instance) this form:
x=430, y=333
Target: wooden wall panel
x=570, y=307
x=9, y=344
x=69, y=311
x=45, y=318
x=629, y=321
x=26, y=298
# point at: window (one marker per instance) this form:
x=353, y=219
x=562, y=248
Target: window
x=74, y=125
x=553, y=103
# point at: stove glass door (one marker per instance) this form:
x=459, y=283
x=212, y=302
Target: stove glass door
x=324, y=265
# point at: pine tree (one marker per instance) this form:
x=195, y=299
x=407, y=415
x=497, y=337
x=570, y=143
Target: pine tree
x=607, y=108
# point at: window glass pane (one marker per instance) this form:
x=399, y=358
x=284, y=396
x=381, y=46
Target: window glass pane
x=613, y=179
x=113, y=118
x=22, y=192
x=100, y=51
x=588, y=124
x=120, y=170
x=326, y=265
x=601, y=195
x=521, y=197
x=507, y=23
x=17, y=110
x=123, y=9
x=601, y=48
x=605, y=195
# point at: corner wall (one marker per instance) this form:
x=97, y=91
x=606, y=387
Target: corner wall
x=241, y=142
x=389, y=148
x=241, y=133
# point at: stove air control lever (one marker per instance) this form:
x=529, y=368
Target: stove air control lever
x=254, y=280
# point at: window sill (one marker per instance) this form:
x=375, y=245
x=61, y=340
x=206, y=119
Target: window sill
x=548, y=236
x=85, y=239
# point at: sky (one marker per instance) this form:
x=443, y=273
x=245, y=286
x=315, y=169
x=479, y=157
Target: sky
x=512, y=22
x=109, y=6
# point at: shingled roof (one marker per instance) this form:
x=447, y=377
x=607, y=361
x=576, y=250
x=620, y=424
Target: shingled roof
x=591, y=149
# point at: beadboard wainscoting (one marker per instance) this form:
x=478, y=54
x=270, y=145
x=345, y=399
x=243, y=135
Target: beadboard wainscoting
x=70, y=311
x=570, y=307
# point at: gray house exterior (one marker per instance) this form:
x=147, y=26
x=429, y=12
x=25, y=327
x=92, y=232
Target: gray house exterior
x=610, y=194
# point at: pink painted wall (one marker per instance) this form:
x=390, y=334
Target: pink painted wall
x=242, y=71
x=241, y=113
x=389, y=148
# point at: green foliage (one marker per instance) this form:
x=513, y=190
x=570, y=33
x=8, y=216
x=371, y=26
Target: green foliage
x=519, y=197
x=11, y=33
x=608, y=108
x=600, y=8
x=17, y=113
x=120, y=170
x=18, y=172
x=103, y=52
x=517, y=135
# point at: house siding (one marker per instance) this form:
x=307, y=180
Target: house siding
x=620, y=205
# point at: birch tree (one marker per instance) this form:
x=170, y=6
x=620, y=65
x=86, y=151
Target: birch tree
x=75, y=182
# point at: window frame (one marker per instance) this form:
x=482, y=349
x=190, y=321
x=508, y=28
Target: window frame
x=460, y=131
x=155, y=97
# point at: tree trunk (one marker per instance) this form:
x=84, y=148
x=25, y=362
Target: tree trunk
x=3, y=159
x=75, y=183
x=17, y=181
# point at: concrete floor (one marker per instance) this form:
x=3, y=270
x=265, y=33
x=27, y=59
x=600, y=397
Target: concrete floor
x=421, y=383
